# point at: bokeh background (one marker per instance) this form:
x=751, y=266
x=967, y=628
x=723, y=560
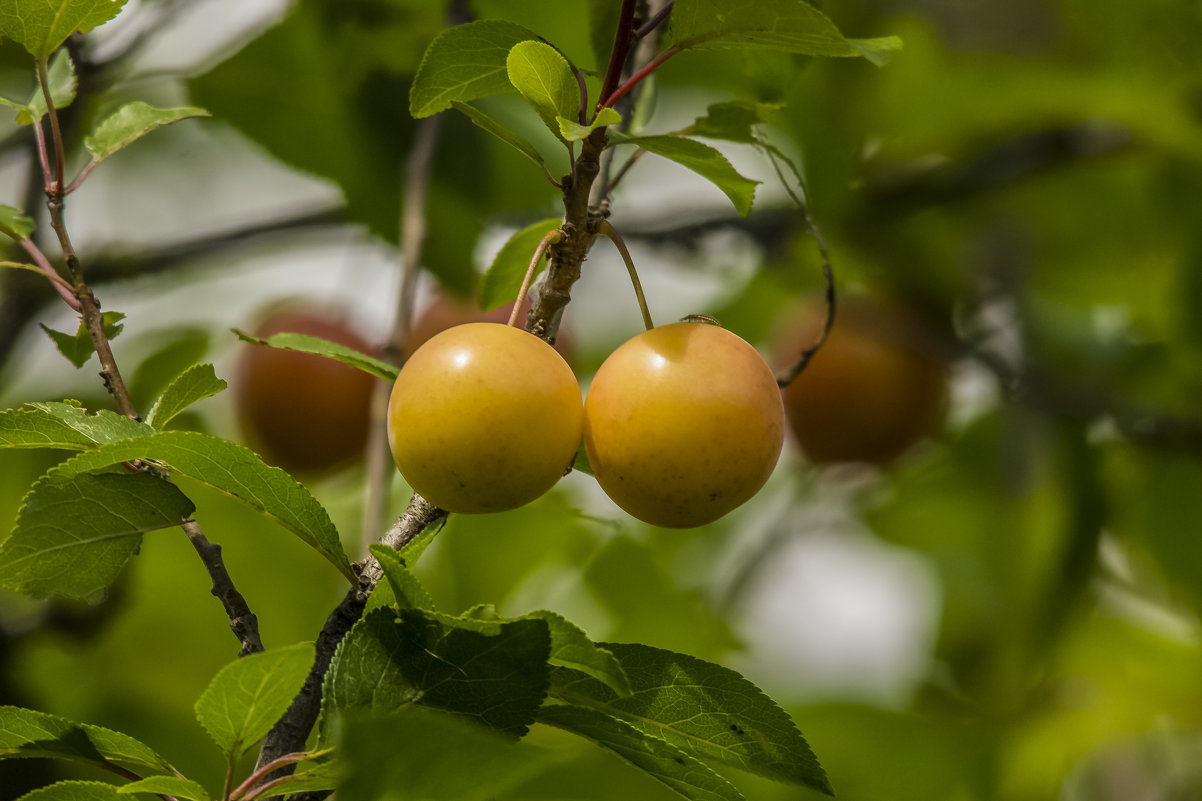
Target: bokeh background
x=1009, y=610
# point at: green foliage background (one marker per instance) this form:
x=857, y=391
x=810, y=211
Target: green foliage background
x=1037, y=163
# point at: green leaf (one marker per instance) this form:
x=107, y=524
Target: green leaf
x=175, y=786
x=234, y=470
x=572, y=131
x=40, y=26
x=14, y=223
x=61, y=79
x=34, y=428
x=407, y=590
x=571, y=648
x=318, y=779
x=196, y=383
x=494, y=672
x=323, y=347
x=701, y=159
x=705, y=710
x=686, y=775
x=424, y=754
x=465, y=63
x=176, y=349
x=78, y=348
x=794, y=26
x=75, y=533
x=27, y=733
x=733, y=120
x=249, y=695
x=74, y=790
x=503, y=278
x=545, y=79
x=131, y=122
x=507, y=136
x=99, y=428
x=603, y=18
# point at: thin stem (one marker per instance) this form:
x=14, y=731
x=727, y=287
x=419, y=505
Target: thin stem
x=63, y=288
x=608, y=230
x=259, y=773
x=243, y=622
x=552, y=238
x=625, y=168
x=43, y=157
x=623, y=39
x=83, y=175
x=635, y=79
x=653, y=23
x=583, y=114
x=229, y=779
x=55, y=132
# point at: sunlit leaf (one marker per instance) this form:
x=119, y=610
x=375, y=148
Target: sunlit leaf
x=195, y=383
x=247, y=696
x=572, y=131
x=100, y=427
x=465, y=63
x=27, y=733
x=234, y=470
x=75, y=533
x=544, y=79
x=175, y=786
x=571, y=648
x=687, y=776
x=407, y=590
x=40, y=26
x=131, y=122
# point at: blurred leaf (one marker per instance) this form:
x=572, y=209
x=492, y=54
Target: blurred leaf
x=101, y=427
x=704, y=709
x=572, y=649
x=75, y=790
x=507, y=136
x=130, y=123
x=465, y=63
x=175, y=786
x=234, y=470
x=572, y=131
x=26, y=733
x=40, y=26
x=732, y=120
x=323, y=347
x=78, y=348
x=687, y=776
x=603, y=19
x=61, y=79
x=14, y=223
x=407, y=591
x=701, y=159
x=249, y=695
x=501, y=281
x=791, y=25
x=321, y=778
x=495, y=672
x=544, y=79
x=442, y=759
x=75, y=533
x=195, y=383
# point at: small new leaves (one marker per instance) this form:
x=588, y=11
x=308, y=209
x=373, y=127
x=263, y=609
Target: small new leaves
x=544, y=78
x=75, y=533
x=572, y=131
x=196, y=383
x=131, y=122
x=465, y=63
x=78, y=347
x=248, y=696
x=40, y=26
x=14, y=223
x=27, y=733
x=791, y=25
x=60, y=77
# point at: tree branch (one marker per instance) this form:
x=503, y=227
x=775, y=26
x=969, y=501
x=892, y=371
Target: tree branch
x=243, y=622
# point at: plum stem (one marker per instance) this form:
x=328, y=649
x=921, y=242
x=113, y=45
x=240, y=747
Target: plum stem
x=552, y=237
x=607, y=229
